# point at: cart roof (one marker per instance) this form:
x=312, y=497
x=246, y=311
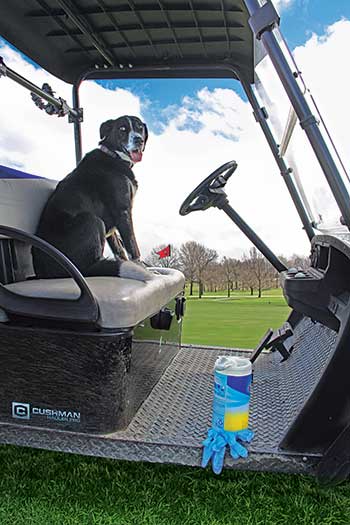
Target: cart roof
x=69, y=38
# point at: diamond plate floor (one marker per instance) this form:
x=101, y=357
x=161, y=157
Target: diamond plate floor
x=178, y=411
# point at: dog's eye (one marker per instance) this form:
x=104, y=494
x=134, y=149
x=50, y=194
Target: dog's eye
x=122, y=128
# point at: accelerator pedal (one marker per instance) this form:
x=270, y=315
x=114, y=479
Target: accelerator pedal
x=278, y=339
x=261, y=345
x=275, y=340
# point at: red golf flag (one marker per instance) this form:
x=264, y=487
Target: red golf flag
x=165, y=252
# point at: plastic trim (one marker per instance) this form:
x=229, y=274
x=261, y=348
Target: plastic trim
x=83, y=309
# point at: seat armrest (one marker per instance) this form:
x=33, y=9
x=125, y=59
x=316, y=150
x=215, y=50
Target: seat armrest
x=83, y=309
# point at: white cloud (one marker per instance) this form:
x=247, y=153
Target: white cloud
x=177, y=160
x=322, y=66
x=322, y=61
x=203, y=133
x=283, y=4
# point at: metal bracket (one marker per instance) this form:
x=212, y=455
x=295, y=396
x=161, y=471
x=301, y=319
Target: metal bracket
x=286, y=172
x=264, y=19
x=309, y=121
x=61, y=109
x=180, y=307
x=261, y=114
x=65, y=108
x=79, y=118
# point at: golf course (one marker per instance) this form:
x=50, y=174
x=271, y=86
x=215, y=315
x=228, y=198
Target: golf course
x=236, y=322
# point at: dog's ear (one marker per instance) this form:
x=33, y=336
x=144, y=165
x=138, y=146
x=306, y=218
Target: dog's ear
x=146, y=134
x=105, y=130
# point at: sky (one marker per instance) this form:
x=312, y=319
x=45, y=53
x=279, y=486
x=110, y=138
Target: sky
x=195, y=126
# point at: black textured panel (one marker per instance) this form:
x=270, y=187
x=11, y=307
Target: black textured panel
x=83, y=374
x=149, y=359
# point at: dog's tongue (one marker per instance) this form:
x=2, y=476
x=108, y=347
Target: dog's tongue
x=136, y=156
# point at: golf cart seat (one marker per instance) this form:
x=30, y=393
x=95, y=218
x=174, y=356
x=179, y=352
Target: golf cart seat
x=75, y=346
x=121, y=303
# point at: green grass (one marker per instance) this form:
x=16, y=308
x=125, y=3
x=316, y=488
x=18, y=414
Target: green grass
x=47, y=488
x=239, y=321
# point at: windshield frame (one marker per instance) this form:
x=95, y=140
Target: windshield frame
x=263, y=20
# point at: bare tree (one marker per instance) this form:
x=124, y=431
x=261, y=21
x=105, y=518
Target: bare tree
x=199, y=264
x=195, y=258
x=213, y=277
x=230, y=270
x=205, y=256
x=298, y=261
x=188, y=262
x=259, y=269
x=172, y=261
x=247, y=275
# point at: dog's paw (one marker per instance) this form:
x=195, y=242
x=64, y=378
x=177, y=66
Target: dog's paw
x=147, y=267
x=131, y=270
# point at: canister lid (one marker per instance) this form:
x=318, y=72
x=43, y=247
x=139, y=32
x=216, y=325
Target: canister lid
x=233, y=365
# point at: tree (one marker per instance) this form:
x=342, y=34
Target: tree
x=188, y=262
x=194, y=259
x=173, y=261
x=230, y=270
x=259, y=270
x=213, y=277
x=298, y=261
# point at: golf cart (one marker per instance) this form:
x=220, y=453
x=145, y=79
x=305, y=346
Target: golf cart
x=94, y=365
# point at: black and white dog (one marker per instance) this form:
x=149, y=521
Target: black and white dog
x=93, y=203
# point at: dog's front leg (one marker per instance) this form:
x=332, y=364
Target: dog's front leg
x=126, y=230
x=116, y=245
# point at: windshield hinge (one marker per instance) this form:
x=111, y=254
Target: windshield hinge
x=309, y=121
x=261, y=114
x=264, y=19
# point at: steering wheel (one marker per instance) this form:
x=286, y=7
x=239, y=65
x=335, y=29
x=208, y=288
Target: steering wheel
x=207, y=192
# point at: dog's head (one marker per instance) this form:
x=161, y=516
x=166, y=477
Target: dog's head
x=126, y=135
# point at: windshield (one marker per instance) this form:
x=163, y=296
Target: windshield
x=294, y=146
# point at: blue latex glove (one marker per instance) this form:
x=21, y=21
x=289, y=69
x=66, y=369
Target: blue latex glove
x=214, y=447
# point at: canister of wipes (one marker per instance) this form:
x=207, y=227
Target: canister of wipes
x=232, y=380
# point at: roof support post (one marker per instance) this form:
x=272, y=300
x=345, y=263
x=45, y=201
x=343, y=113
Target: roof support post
x=77, y=123
x=300, y=105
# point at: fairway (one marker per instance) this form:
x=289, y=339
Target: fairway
x=239, y=321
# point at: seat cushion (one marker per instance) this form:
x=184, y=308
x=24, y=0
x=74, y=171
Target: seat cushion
x=123, y=303
x=22, y=201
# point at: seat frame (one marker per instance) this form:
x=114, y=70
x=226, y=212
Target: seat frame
x=83, y=310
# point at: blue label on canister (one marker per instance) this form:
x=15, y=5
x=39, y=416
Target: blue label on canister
x=231, y=401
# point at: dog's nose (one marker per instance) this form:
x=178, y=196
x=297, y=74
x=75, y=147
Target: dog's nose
x=138, y=141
